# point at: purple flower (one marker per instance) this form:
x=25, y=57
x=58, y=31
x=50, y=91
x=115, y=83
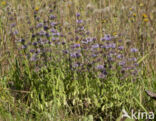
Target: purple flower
x=76, y=45
x=95, y=46
x=54, y=39
x=22, y=41
x=84, y=42
x=15, y=32
x=94, y=39
x=129, y=68
x=33, y=35
x=122, y=63
x=37, y=18
x=33, y=58
x=94, y=55
x=65, y=51
x=110, y=59
x=24, y=46
x=50, y=10
x=56, y=34
x=75, y=55
x=102, y=76
x=107, y=47
x=78, y=14
x=46, y=27
x=42, y=42
x=123, y=71
x=87, y=32
x=38, y=50
x=53, y=30
x=79, y=29
x=34, y=43
x=75, y=65
x=47, y=35
x=107, y=38
x=100, y=67
x=39, y=25
x=136, y=64
x=32, y=50
x=103, y=46
x=42, y=33
x=133, y=59
x=89, y=39
x=120, y=47
x=134, y=50
x=53, y=24
x=119, y=56
x=104, y=72
x=13, y=25
x=120, y=40
x=113, y=45
x=52, y=17
x=79, y=21
x=63, y=43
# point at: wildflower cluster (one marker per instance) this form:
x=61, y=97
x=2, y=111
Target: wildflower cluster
x=102, y=57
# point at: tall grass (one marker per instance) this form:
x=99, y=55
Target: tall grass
x=57, y=76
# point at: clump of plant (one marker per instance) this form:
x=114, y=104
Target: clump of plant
x=76, y=70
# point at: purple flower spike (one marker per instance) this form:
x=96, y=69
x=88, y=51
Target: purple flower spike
x=79, y=21
x=56, y=34
x=119, y=56
x=34, y=43
x=53, y=30
x=104, y=72
x=78, y=14
x=76, y=45
x=100, y=67
x=94, y=55
x=46, y=27
x=84, y=42
x=39, y=25
x=65, y=51
x=52, y=17
x=120, y=47
x=53, y=24
x=75, y=65
x=89, y=39
x=107, y=38
x=102, y=76
x=24, y=46
x=122, y=63
x=120, y=40
x=13, y=25
x=32, y=50
x=107, y=47
x=33, y=58
x=42, y=33
x=75, y=55
x=50, y=10
x=113, y=45
x=134, y=50
x=133, y=59
x=47, y=35
x=95, y=46
x=22, y=41
x=15, y=32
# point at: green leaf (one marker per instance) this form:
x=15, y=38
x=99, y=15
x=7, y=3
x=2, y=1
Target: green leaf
x=143, y=58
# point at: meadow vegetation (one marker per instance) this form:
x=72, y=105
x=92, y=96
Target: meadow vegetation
x=76, y=60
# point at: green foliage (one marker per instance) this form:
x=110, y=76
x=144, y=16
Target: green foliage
x=54, y=88
x=55, y=92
